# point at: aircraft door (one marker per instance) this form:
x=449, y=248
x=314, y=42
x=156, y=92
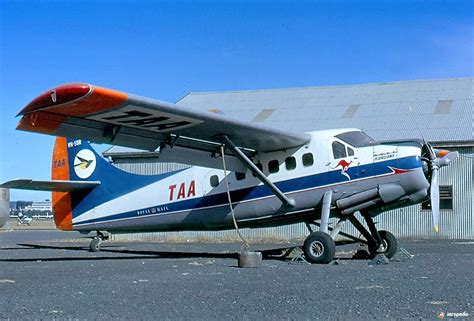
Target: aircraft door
x=343, y=157
x=213, y=180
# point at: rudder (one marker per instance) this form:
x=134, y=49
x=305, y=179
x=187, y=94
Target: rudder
x=62, y=206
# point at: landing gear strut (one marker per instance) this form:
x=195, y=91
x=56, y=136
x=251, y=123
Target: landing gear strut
x=379, y=242
x=96, y=242
x=319, y=247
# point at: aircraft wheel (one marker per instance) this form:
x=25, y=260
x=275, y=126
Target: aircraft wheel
x=319, y=247
x=390, y=243
x=94, y=246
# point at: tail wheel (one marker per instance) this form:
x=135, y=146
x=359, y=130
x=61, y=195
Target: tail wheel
x=389, y=242
x=319, y=247
x=94, y=246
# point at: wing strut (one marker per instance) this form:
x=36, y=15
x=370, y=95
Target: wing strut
x=287, y=201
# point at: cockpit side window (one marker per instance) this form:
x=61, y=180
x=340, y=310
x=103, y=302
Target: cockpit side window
x=338, y=150
x=356, y=138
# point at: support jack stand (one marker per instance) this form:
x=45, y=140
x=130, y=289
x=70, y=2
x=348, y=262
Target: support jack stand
x=297, y=256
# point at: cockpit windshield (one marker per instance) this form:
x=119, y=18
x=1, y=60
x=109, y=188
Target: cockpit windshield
x=356, y=138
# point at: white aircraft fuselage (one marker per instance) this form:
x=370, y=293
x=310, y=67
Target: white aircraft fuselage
x=186, y=200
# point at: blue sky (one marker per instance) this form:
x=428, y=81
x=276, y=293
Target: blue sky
x=165, y=49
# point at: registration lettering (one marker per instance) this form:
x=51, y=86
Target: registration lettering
x=153, y=120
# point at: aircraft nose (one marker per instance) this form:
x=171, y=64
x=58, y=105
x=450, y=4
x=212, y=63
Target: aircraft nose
x=57, y=96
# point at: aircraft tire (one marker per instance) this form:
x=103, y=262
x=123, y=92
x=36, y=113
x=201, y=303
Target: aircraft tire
x=319, y=248
x=94, y=245
x=390, y=243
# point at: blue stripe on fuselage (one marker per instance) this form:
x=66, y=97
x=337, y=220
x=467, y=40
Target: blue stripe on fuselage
x=260, y=191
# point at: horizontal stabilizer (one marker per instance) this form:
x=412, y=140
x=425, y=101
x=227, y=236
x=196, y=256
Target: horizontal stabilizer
x=53, y=186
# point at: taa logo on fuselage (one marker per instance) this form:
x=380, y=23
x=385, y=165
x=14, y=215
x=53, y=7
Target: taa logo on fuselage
x=84, y=163
x=184, y=190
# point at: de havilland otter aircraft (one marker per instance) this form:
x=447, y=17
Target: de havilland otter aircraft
x=274, y=177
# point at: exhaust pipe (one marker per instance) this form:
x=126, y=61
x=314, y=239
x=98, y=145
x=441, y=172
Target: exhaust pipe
x=385, y=193
x=357, y=198
x=362, y=206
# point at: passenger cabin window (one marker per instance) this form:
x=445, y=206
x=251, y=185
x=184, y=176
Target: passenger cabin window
x=214, y=180
x=239, y=176
x=350, y=151
x=338, y=150
x=273, y=166
x=308, y=159
x=290, y=163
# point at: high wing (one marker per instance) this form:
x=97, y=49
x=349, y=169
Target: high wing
x=107, y=116
x=53, y=186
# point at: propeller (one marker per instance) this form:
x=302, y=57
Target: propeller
x=438, y=158
x=434, y=196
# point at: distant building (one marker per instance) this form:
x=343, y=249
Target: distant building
x=440, y=111
x=37, y=210
x=39, y=206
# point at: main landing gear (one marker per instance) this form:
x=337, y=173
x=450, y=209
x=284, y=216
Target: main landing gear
x=320, y=247
x=96, y=242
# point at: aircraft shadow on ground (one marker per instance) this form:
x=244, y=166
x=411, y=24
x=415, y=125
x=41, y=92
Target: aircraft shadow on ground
x=128, y=254
x=132, y=254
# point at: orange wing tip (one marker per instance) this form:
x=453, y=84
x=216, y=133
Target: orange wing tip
x=58, y=96
x=40, y=122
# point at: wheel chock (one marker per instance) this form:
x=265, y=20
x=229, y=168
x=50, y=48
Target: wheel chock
x=379, y=259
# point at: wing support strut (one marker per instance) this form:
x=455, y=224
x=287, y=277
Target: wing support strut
x=287, y=201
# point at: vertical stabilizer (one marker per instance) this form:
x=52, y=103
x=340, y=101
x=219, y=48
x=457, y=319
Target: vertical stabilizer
x=76, y=161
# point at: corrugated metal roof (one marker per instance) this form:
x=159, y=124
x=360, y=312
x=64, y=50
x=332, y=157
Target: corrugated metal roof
x=386, y=110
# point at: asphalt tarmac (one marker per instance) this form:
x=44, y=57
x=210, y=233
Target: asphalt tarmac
x=51, y=275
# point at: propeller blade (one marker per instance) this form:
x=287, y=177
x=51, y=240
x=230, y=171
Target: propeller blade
x=431, y=151
x=434, y=195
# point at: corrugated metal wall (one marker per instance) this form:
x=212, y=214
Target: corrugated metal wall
x=408, y=222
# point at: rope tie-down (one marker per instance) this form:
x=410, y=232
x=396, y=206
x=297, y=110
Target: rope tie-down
x=246, y=258
x=245, y=244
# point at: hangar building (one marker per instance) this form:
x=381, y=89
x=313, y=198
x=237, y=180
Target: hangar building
x=442, y=111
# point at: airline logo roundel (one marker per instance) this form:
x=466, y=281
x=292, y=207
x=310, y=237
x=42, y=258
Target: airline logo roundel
x=84, y=163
